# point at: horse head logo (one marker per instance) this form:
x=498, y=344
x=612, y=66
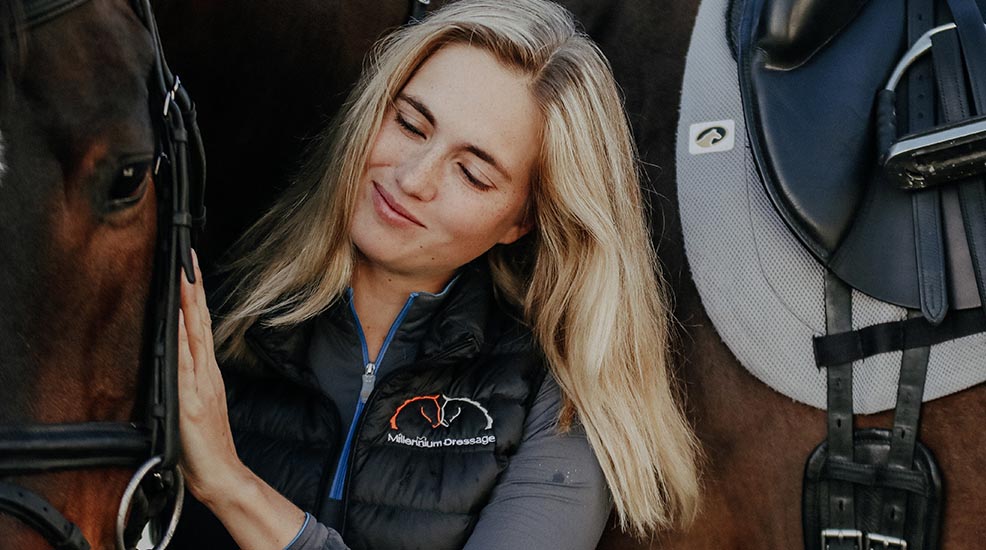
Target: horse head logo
x=460, y=404
x=442, y=410
x=710, y=136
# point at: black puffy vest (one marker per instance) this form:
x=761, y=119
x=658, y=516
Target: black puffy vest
x=431, y=443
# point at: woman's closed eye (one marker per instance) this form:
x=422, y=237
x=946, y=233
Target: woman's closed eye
x=407, y=125
x=473, y=180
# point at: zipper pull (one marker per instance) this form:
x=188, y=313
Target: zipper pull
x=369, y=377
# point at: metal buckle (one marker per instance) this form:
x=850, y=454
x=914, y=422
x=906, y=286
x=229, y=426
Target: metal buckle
x=841, y=534
x=169, y=98
x=875, y=541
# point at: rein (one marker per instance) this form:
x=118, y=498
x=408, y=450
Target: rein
x=153, y=446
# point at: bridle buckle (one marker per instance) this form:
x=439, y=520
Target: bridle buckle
x=169, y=98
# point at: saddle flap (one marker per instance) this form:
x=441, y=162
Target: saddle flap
x=812, y=131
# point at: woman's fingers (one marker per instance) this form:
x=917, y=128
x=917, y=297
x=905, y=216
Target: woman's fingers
x=198, y=327
x=189, y=398
x=186, y=365
x=199, y=337
x=204, y=317
x=190, y=324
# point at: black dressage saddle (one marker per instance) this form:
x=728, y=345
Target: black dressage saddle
x=813, y=72
x=867, y=122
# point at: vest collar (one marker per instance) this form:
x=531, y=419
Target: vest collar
x=458, y=329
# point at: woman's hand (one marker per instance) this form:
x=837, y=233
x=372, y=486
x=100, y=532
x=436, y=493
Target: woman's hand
x=208, y=456
x=256, y=515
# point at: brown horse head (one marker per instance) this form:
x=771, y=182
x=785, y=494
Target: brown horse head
x=78, y=222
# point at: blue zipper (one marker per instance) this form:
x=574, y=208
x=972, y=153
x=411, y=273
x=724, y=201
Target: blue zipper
x=369, y=378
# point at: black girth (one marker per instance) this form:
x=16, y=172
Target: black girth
x=152, y=445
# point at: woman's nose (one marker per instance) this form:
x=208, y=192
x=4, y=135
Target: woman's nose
x=418, y=175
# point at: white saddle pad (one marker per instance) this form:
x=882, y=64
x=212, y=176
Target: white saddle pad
x=761, y=288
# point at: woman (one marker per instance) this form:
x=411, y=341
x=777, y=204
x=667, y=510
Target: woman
x=451, y=332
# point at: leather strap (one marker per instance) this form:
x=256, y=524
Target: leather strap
x=932, y=278
x=929, y=251
x=972, y=34
x=54, y=447
x=950, y=62
x=180, y=141
x=907, y=417
x=847, y=347
x=929, y=248
x=838, y=318
x=873, y=475
x=36, y=513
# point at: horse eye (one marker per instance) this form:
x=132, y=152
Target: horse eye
x=130, y=183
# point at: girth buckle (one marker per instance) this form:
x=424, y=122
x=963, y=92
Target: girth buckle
x=840, y=535
x=875, y=541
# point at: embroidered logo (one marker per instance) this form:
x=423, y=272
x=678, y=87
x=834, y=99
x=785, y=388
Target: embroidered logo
x=714, y=136
x=440, y=411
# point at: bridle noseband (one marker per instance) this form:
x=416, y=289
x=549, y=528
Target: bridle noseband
x=153, y=447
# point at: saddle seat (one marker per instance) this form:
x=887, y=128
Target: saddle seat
x=809, y=91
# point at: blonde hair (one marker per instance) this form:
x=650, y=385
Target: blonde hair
x=591, y=293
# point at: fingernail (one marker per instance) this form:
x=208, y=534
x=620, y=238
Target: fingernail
x=195, y=259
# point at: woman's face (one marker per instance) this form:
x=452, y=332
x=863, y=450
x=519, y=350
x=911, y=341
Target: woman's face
x=448, y=176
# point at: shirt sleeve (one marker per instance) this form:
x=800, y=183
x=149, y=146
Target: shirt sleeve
x=553, y=493
x=315, y=536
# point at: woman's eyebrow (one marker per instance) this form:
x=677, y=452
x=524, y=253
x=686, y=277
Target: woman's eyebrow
x=419, y=105
x=488, y=159
x=480, y=153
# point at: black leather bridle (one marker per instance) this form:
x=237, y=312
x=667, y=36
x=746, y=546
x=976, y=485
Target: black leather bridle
x=152, y=447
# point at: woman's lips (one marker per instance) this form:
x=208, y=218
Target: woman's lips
x=390, y=209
